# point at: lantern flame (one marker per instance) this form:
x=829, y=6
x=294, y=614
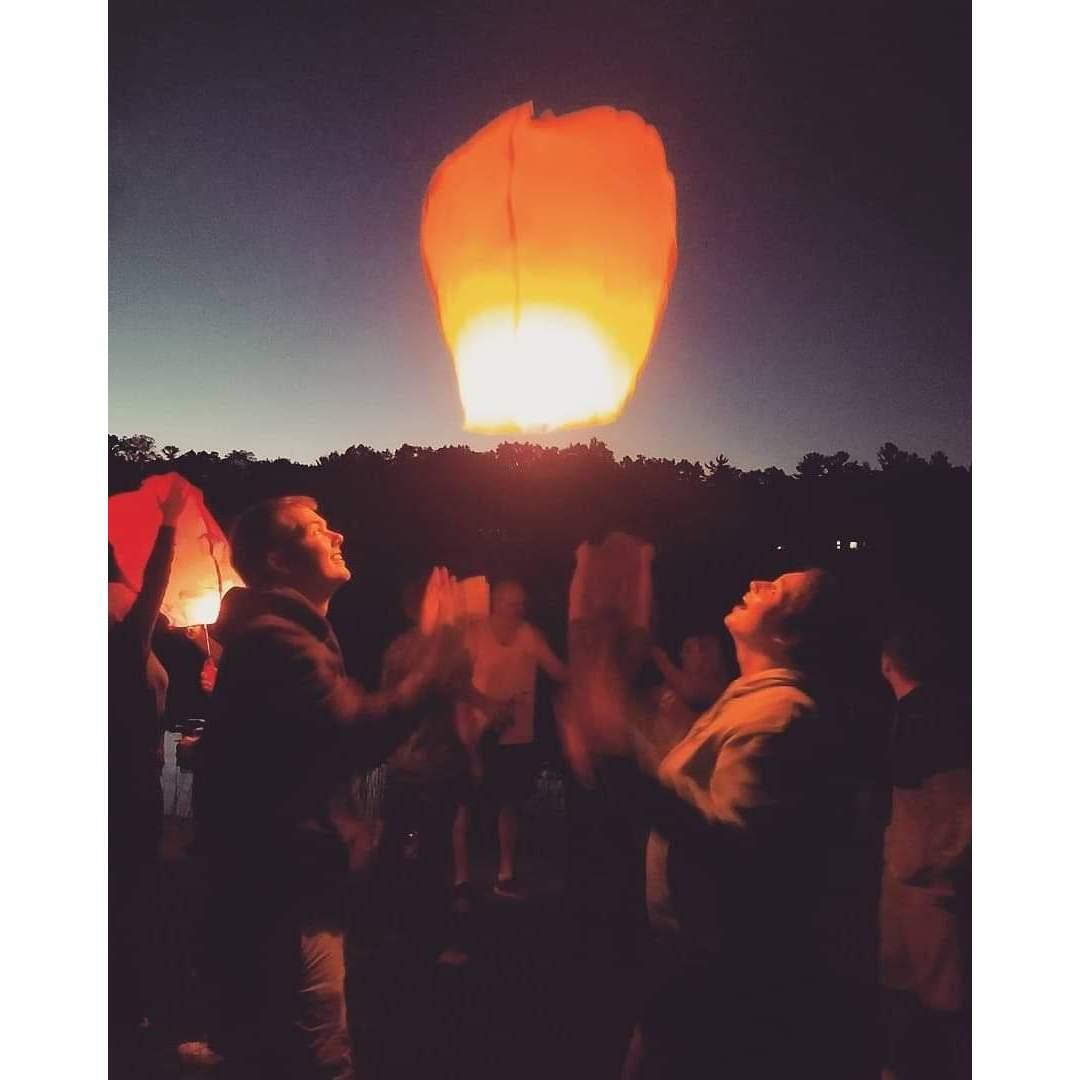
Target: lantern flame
x=549, y=245
x=201, y=571
x=552, y=369
x=200, y=610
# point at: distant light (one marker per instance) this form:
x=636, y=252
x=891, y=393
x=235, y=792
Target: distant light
x=853, y=544
x=839, y=545
x=779, y=547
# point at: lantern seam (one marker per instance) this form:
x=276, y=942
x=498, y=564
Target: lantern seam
x=512, y=225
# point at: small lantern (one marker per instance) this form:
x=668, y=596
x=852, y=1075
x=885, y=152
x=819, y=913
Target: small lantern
x=201, y=569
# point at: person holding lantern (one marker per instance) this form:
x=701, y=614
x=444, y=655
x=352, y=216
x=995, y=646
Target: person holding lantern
x=741, y=811
x=287, y=732
x=137, y=688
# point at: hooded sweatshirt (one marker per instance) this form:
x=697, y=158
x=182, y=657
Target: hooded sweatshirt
x=288, y=729
x=742, y=812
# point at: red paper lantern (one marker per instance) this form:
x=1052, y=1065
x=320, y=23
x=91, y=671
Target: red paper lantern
x=201, y=570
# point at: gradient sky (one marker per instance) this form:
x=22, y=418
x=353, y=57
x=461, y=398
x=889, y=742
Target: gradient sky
x=267, y=174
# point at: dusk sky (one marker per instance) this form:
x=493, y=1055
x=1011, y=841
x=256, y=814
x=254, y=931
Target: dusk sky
x=268, y=171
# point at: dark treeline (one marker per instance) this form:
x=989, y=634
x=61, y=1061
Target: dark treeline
x=522, y=509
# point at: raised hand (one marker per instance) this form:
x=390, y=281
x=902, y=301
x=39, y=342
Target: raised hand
x=208, y=675
x=436, y=606
x=173, y=503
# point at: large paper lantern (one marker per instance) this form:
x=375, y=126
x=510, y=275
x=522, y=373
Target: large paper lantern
x=201, y=569
x=549, y=245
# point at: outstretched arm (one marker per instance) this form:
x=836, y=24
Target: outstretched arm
x=305, y=679
x=551, y=664
x=142, y=617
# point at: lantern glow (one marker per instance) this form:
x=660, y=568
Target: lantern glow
x=201, y=570
x=549, y=245
x=201, y=609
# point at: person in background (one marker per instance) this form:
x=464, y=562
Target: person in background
x=506, y=651
x=137, y=689
x=288, y=731
x=925, y=888
x=689, y=688
x=427, y=779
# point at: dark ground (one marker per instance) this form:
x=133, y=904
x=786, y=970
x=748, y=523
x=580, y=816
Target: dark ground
x=552, y=984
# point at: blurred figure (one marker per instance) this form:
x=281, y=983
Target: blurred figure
x=506, y=652
x=288, y=731
x=689, y=689
x=427, y=779
x=137, y=690
x=925, y=889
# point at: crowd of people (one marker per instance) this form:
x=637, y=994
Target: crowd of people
x=734, y=785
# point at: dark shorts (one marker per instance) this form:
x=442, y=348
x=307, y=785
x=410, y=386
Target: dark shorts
x=510, y=773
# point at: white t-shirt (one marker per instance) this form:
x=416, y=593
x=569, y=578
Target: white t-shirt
x=506, y=672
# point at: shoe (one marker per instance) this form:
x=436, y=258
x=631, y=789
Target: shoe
x=509, y=888
x=462, y=899
x=198, y=1055
x=452, y=956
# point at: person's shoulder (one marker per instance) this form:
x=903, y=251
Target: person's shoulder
x=773, y=709
x=532, y=636
x=274, y=634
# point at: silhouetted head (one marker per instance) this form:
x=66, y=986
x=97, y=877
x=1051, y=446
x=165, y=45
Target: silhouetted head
x=914, y=652
x=286, y=542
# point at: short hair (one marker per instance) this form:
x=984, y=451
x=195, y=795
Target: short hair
x=810, y=620
x=917, y=648
x=257, y=532
x=504, y=584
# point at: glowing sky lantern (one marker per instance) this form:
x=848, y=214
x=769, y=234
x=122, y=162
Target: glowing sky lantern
x=549, y=244
x=201, y=570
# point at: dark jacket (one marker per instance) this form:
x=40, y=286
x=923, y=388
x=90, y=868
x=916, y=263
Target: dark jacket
x=137, y=684
x=926, y=890
x=287, y=731
x=748, y=804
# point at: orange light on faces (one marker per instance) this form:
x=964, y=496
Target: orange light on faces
x=549, y=244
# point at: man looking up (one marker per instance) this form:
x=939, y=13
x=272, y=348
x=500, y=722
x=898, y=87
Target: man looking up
x=288, y=729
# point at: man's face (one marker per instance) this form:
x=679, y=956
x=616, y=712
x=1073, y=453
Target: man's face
x=692, y=656
x=508, y=603
x=312, y=559
x=755, y=619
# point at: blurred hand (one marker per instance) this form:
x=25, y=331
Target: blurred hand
x=443, y=664
x=173, y=503
x=208, y=675
x=436, y=606
x=501, y=718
